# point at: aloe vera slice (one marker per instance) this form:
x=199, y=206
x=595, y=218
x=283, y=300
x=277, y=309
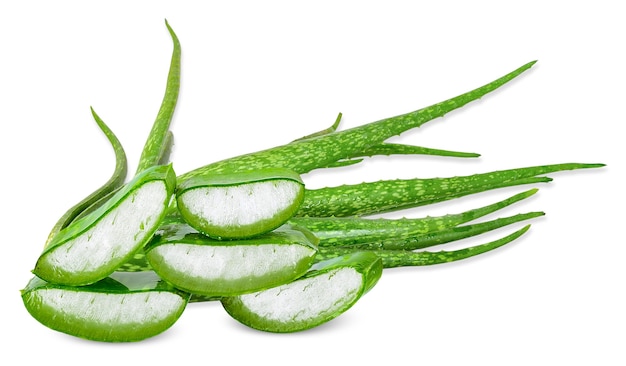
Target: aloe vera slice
x=240, y=205
x=200, y=265
x=94, y=246
x=123, y=307
x=325, y=292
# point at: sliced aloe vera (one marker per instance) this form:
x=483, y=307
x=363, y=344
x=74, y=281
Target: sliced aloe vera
x=94, y=246
x=329, y=289
x=240, y=205
x=123, y=307
x=201, y=265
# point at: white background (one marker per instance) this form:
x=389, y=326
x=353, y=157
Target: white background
x=259, y=74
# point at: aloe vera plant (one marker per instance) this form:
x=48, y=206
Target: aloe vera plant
x=246, y=231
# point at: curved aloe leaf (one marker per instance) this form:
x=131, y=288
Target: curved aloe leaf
x=116, y=180
x=159, y=140
x=324, y=293
x=93, y=247
x=123, y=307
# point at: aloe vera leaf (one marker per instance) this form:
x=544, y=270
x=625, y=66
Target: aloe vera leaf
x=197, y=264
x=117, y=179
x=305, y=155
x=93, y=247
x=432, y=238
x=389, y=195
x=406, y=258
x=342, y=231
x=324, y=293
x=123, y=307
x=156, y=145
x=240, y=205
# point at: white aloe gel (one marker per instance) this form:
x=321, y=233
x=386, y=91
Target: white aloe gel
x=200, y=265
x=114, y=310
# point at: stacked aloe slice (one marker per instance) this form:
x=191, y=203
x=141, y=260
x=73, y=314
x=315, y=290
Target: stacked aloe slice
x=123, y=264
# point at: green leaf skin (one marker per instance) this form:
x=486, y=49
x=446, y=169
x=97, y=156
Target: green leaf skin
x=324, y=293
x=240, y=205
x=405, y=258
x=156, y=148
x=307, y=154
x=84, y=252
x=123, y=307
x=117, y=180
x=391, y=195
x=345, y=231
x=200, y=265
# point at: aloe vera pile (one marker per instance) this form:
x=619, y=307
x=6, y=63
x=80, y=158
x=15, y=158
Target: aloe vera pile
x=123, y=264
